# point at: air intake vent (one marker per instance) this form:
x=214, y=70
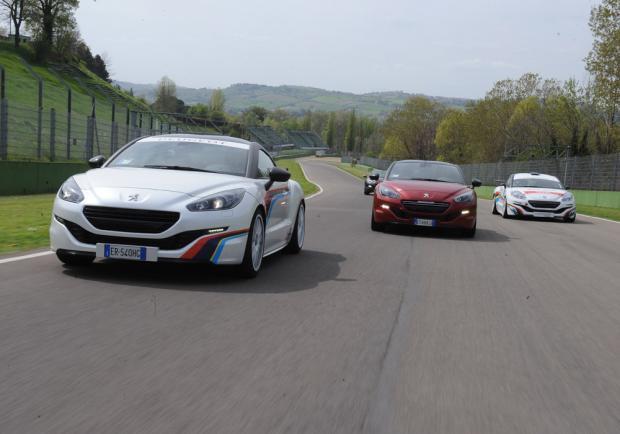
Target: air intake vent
x=130, y=220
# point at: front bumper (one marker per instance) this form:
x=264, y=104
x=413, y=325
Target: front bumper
x=524, y=209
x=456, y=216
x=218, y=237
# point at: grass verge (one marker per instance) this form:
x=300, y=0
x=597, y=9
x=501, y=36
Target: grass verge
x=298, y=175
x=358, y=170
x=597, y=211
x=24, y=222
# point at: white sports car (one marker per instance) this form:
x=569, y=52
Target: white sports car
x=534, y=195
x=213, y=199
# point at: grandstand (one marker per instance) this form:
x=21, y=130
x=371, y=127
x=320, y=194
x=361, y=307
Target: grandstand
x=266, y=136
x=306, y=139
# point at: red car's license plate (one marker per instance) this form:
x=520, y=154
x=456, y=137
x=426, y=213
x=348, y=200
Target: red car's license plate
x=425, y=222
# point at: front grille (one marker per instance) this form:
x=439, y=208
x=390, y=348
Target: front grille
x=130, y=220
x=553, y=211
x=425, y=207
x=175, y=242
x=406, y=214
x=543, y=204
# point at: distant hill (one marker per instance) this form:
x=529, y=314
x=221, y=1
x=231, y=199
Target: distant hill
x=293, y=98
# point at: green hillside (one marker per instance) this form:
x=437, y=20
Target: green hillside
x=293, y=98
x=22, y=95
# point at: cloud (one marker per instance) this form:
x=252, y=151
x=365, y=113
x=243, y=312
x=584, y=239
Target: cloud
x=485, y=64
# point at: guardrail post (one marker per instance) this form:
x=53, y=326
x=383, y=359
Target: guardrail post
x=52, y=134
x=4, y=131
x=40, y=120
x=69, y=109
x=127, y=126
x=90, y=137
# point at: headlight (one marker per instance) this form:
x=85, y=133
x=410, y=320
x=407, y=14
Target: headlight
x=465, y=197
x=71, y=192
x=568, y=197
x=518, y=195
x=388, y=192
x=219, y=201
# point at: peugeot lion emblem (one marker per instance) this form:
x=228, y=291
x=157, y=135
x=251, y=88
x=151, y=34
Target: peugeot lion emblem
x=427, y=195
x=133, y=197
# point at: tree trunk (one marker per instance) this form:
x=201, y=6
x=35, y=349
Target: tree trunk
x=17, y=37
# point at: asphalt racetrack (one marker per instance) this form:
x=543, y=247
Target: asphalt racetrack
x=514, y=331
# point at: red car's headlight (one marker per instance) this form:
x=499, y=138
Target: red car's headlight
x=465, y=197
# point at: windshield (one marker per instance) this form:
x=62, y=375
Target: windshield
x=425, y=171
x=175, y=154
x=537, y=183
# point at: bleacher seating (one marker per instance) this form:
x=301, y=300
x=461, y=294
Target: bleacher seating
x=266, y=136
x=306, y=139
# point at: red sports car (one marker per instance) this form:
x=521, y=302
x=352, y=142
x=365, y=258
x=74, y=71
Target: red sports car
x=425, y=193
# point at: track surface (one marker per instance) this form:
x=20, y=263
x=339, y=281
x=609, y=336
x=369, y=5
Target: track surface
x=516, y=331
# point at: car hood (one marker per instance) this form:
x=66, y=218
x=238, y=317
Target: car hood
x=426, y=190
x=173, y=181
x=541, y=193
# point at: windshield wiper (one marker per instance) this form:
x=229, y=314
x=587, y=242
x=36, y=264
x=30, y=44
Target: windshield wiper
x=429, y=179
x=185, y=168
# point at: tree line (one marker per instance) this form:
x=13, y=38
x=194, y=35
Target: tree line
x=524, y=118
x=54, y=31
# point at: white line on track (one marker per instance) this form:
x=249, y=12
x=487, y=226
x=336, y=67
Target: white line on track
x=315, y=183
x=25, y=257
x=597, y=218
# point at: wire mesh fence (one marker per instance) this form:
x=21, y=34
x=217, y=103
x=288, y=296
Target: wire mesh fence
x=592, y=172
x=28, y=133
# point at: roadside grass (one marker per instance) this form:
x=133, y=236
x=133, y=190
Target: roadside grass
x=297, y=175
x=358, y=170
x=24, y=222
x=597, y=211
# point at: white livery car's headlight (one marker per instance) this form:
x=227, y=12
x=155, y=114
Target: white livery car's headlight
x=518, y=195
x=465, y=197
x=71, y=191
x=219, y=201
x=568, y=197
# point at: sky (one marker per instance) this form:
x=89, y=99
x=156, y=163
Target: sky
x=455, y=48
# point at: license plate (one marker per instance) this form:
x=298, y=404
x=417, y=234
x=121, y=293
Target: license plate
x=130, y=253
x=544, y=214
x=425, y=222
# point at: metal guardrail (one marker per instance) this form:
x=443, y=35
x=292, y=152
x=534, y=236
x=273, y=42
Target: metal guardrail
x=591, y=172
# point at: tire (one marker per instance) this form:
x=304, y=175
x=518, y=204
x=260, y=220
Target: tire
x=469, y=233
x=254, y=247
x=299, y=232
x=74, y=259
x=494, y=212
x=570, y=219
x=374, y=226
x=505, y=213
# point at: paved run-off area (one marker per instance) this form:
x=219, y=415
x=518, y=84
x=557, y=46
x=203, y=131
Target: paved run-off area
x=515, y=331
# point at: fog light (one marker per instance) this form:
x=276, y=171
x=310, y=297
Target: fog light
x=384, y=206
x=465, y=212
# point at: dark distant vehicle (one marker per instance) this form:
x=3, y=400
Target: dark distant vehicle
x=371, y=181
x=425, y=193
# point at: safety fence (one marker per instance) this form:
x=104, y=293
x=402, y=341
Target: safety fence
x=592, y=172
x=50, y=135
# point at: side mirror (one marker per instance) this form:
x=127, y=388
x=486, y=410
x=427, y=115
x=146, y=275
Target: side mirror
x=476, y=183
x=96, y=162
x=277, y=174
x=374, y=177
x=566, y=188
x=499, y=182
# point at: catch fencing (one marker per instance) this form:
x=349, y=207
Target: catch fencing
x=592, y=172
x=49, y=135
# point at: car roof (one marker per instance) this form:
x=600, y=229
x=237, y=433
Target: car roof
x=534, y=175
x=426, y=161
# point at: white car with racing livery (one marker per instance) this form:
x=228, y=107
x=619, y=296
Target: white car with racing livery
x=534, y=195
x=186, y=198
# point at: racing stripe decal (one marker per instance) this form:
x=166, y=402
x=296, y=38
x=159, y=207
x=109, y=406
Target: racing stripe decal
x=205, y=247
x=272, y=197
x=220, y=247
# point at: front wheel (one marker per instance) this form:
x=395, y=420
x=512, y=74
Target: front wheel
x=376, y=227
x=299, y=231
x=505, y=213
x=254, y=247
x=469, y=233
x=495, y=212
x=570, y=219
